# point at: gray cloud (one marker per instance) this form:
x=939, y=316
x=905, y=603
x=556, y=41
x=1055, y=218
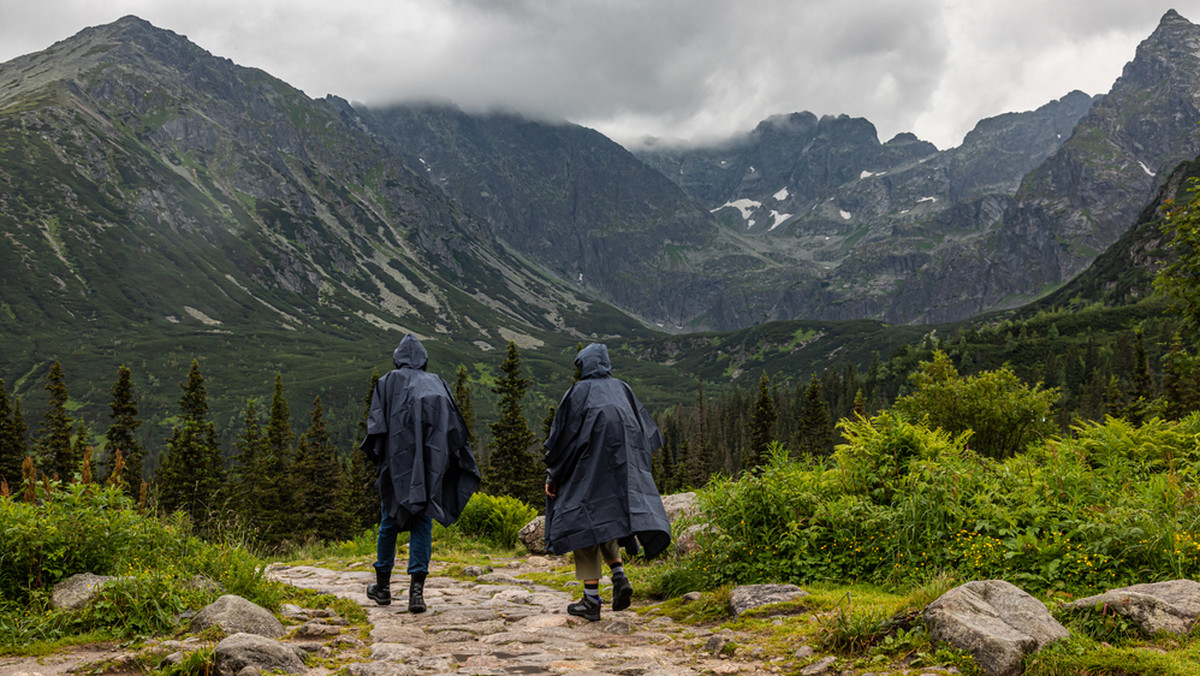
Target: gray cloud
x=690, y=69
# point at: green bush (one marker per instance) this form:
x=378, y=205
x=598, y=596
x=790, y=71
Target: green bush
x=495, y=519
x=1109, y=505
x=84, y=528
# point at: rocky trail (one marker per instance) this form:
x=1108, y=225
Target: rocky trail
x=496, y=623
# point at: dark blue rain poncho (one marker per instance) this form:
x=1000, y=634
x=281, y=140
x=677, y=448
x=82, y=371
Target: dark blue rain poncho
x=418, y=441
x=598, y=456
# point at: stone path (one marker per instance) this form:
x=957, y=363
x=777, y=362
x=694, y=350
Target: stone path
x=500, y=625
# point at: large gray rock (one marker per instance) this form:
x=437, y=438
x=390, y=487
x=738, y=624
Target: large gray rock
x=1170, y=607
x=234, y=614
x=995, y=621
x=239, y=651
x=754, y=595
x=533, y=536
x=680, y=505
x=689, y=540
x=75, y=591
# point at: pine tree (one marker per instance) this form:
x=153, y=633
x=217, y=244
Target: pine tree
x=81, y=447
x=1181, y=381
x=318, y=480
x=12, y=453
x=192, y=474
x=250, y=446
x=762, y=425
x=512, y=469
x=19, y=431
x=54, y=435
x=462, y=397
x=274, y=487
x=120, y=434
x=359, y=496
x=816, y=434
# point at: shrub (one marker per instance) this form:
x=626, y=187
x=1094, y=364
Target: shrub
x=496, y=519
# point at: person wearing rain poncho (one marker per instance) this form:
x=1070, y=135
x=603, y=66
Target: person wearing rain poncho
x=418, y=441
x=598, y=486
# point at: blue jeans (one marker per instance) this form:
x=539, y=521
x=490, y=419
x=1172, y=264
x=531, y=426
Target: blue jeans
x=420, y=543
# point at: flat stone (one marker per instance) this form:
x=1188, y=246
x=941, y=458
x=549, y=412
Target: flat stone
x=74, y=592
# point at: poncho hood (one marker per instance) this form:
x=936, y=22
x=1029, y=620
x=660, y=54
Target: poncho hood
x=592, y=361
x=410, y=353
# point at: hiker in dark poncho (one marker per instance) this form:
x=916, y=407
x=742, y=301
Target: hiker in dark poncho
x=598, y=485
x=418, y=442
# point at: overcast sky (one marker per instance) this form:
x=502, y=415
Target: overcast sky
x=685, y=69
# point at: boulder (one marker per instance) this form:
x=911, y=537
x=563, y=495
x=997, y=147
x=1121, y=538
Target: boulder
x=680, y=505
x=237, y=652
x=1170, y=607
x=234, y=614
x=754, y=595
x=75, y=591
x=689, y=540
x=533, y=536
x=995, y=621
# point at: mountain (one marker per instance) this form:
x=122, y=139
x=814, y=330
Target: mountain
x=159, y=203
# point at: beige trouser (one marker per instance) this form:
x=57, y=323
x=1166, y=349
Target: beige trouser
x=589, y=561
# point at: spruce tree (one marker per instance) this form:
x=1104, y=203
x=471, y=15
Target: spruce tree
x=124, y=412
x=250, y=447
x=54, y=436
x=81, y=447
x=11, y=452
x=274, y=486
x=815, y=433
x=1181, y=381
x=762, y=425
x=192, y=474
x=512, y=468
x=462, y=397
x=318, y=478
x=359, y=495
x=19, y=431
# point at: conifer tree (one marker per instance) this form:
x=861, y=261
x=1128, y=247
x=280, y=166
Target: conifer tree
x=762, y=425
x=512, y=468
x=250, y=447
x=124, y=412
x=192, y=474
x=359, y=496
x=54, y=435
x=81, y=447
x=318, y=480
x=11, y=452
x=274, y=488
x=19, y=431
x=815, y=432
x=462, y=397
x=1181, y=381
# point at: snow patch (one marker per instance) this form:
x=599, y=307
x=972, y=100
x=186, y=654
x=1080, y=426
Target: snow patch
x=779, y=218
x=781, y=195
x=744, y=205
x=927, y=199
x=1145, y=168
x=846, y=215
x=869, y=174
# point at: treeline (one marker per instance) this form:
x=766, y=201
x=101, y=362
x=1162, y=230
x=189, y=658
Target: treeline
x=278, y=487
x=1129, y=362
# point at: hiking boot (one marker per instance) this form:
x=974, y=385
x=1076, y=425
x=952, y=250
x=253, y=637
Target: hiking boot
x=586, y=607
x=622, y=592
x=379, y=592
x=416, y=594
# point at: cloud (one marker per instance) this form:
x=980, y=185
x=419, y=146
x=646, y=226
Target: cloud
x=691, y=69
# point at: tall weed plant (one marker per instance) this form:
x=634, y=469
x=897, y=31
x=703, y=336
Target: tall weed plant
x=1110, y=504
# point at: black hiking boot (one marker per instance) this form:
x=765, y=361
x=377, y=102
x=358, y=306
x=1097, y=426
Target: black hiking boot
x=586, y=608
x=379, y=591
x=622, y=591
x=416, y=593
